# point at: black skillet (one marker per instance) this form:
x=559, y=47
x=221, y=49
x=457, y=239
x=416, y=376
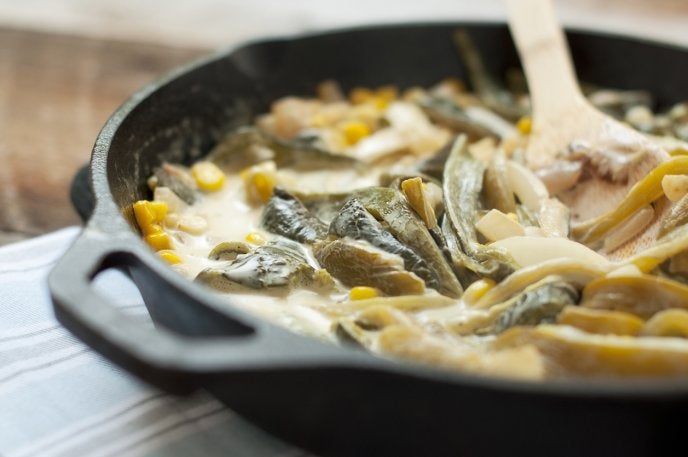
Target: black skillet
x=331, y=400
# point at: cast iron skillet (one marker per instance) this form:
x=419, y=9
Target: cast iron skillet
x=332, y=400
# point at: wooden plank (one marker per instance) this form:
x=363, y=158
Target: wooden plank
x=56, y=92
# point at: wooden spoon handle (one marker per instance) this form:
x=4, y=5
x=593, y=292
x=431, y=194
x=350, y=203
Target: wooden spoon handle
x=544, y=55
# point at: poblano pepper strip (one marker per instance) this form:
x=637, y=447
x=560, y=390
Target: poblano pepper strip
x=462, y=184
x=389, y=206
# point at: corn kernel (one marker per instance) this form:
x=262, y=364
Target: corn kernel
x=208, y=176
x=159, y=240
x=363, y=292
x=160, y=210
x=265, y=185
x=475, y=291
x=355, y=131
x=144, y=214
x=360, y=95
x=147, y=215
x=678, y=152
x=525, y=125
x=169, y=256
x=259, y=181
x=256, y=238
x=150, y=229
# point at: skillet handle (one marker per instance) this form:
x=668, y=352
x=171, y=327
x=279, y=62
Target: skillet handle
x=80, y=193
x=167, y=358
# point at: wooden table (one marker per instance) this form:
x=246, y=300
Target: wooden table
x=64, y=67
x=56, y=92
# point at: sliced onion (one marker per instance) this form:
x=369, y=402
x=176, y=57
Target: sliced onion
x=531, y=250
x=561, y=175
x=554, y=218
x=527, y=187
x=495, y=225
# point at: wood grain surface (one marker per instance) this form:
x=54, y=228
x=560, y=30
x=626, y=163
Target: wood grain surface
x=56, y=91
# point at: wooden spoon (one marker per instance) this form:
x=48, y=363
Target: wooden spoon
x=566, y=125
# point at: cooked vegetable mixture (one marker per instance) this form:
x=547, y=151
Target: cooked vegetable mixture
x=408, y=223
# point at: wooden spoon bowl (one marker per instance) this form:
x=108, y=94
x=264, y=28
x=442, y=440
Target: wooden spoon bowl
x=567, y=127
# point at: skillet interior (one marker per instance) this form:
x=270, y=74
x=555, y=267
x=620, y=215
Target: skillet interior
x=364, y=412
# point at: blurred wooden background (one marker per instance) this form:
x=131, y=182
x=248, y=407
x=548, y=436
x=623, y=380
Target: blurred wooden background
x=65, y=65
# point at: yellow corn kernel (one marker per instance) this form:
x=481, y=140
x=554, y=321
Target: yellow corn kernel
x=512, y=216
x=144, y=214
x=147, y=215
x=363, y=292
x=159, y=240
x=151, y=229
x=355, y=131
x=475, y=291
x=361, y=95
x=265, y=185
x=259, y=181
x=256, y=238
x=208, y=176
x=169, y=256
x=525, y=125
x=678, y=152
x=159, y=210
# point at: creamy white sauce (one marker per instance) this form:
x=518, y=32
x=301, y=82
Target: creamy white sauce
x=231, y=218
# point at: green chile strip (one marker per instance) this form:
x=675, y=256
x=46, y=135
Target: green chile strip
x=463, y=181
x=390, y=207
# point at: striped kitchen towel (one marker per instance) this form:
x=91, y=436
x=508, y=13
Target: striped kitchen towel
x=59, y=398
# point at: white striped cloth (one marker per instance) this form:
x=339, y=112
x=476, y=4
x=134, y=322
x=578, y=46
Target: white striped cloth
x=59, y=398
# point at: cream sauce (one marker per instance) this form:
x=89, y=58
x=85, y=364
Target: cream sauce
x=230, y=218
x=431, y=336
